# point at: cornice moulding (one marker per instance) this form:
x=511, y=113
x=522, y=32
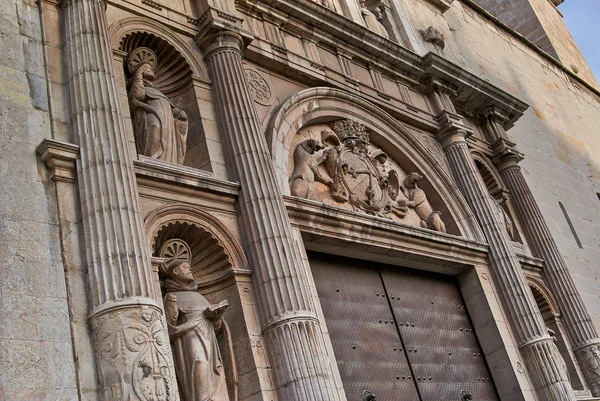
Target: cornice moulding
x=335, y=30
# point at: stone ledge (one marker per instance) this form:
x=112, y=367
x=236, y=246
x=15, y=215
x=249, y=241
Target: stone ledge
x=179, y=178
x=334, y=230
x=60, y=158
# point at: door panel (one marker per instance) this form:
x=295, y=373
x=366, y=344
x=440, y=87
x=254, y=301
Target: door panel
x=402, y=334
x=441, y=344
x=365, y=339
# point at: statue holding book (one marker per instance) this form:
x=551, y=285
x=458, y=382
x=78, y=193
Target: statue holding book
x=199, y=337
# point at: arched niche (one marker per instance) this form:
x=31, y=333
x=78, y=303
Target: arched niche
x=215, y=253
x=551, y=314
x=325, y=105
x=180, y=75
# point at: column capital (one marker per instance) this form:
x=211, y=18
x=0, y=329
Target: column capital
x=219, y=30
x=452, y=129
x=506, y=155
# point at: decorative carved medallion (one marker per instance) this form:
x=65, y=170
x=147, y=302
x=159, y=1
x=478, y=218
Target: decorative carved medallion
x=432, y=146
x=259, y=87
x=358, y=175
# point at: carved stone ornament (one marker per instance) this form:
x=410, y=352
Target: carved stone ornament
x=201, y=340
x=259, y=87
x=134, y=359
x=175, y=250
x=434, y=36
x=342, y=168
x=160, y=128
x=591, y=366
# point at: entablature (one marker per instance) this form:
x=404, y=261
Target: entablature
x=334, y=230
x=361, y=45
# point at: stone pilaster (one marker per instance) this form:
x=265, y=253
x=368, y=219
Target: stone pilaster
x=541, y=357
x=302, y=370
x=576, y=321
x=130, y=341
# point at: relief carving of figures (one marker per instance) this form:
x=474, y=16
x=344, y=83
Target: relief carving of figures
x=372, y=19
x=342, y=169
x=200, y=339
x=418, y=201
x=134, y=359
x=160, y=128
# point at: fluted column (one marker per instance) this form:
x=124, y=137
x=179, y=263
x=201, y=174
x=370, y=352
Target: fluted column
x=577, y=323
x=542, y=358
x=130, y=341
x=301, y=368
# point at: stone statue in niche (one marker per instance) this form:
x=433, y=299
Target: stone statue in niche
x=505, y=218
x=372, y=19
x=200, y=338
x=160, y=128
x=418, y=201
x=356, y=177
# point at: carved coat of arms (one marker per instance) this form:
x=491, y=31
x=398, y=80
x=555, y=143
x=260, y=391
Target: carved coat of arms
x=358, y=176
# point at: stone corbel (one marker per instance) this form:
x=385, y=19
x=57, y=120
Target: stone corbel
x=60, y=158
x=443, y=5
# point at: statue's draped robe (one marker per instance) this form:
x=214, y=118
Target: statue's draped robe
x=198, y=363
x=373, y=24
x=158, y=134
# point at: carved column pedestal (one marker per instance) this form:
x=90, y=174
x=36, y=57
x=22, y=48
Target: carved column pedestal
x=541, y=356
x=576, y=321
x=131, y=344
x=302, y=370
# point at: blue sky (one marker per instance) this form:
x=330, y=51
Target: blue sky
x=583, y=19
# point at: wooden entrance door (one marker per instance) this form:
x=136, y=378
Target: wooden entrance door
x=401, y=334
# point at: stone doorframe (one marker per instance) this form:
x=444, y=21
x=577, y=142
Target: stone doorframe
x=331, y=230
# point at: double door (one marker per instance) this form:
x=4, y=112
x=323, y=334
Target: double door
x=401, y=334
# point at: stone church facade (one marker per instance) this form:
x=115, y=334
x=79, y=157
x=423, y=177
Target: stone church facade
x=297, y=200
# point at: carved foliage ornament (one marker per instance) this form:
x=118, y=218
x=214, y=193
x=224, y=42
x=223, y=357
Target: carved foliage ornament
x=135, y=338
x=357, y=176
x=591, y=366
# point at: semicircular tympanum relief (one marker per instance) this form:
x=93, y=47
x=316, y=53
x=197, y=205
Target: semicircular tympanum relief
x=335, y=163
